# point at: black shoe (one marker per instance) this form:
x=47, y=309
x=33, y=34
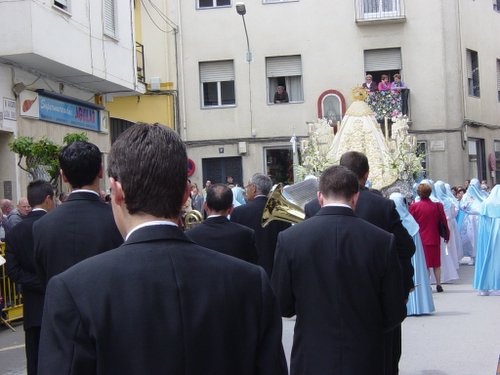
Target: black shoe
x=439, y=288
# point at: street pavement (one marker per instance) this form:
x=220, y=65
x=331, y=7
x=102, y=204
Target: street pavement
x=461, y=338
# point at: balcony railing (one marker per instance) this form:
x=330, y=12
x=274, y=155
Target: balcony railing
x=389, y=103
x=139, y=53
x=380, y=10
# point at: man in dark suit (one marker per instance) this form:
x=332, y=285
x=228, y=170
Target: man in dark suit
x=218, y=233
x=339, y=274
x=207, y=313
x=83, y=225
x=250, y=215
x=381, y=212
x=20, y=267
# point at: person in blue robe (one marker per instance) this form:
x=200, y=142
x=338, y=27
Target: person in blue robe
x=470, y=204
x=420, y=300
x=487, y=271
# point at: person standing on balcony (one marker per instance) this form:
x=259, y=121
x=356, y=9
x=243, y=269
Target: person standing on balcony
x=397, y=86
x=384, y=84
x=369, y=85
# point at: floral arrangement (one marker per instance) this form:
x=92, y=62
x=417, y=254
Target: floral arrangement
x=315, y=149
x=384, y=104
x=405, y=159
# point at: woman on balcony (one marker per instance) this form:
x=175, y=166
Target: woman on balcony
x=369, y=85
x=384, y=84
x=397, y=85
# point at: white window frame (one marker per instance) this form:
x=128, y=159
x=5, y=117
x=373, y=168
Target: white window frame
x=225, y=74
x=498, y=78
x=293, y=81
x=381, y=12
x=109, y=30
x=62, y=5
x=214, y=5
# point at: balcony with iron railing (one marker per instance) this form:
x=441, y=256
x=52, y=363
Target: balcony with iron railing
x=369, y=11
x=139, y=53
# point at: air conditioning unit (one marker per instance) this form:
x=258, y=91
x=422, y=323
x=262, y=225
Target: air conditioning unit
x=154, y=83
x=242, y=147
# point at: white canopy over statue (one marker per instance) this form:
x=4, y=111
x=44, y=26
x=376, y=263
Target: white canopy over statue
x=361, y=132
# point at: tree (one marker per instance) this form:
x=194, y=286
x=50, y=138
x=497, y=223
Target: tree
x=41, y=158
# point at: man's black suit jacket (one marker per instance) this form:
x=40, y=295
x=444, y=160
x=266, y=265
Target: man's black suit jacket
x=339, y=274
x=160, y=304
x=382, y=212
x=83, y=226
x=20, y=266
x=219, y=234
x=250, y=215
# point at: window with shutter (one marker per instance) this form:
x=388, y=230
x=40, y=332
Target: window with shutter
x=472, y=62
x=217, y=84
x=498, y=79
x=213, y=3
x=109, y=18
x=62, y=4
x=284, y=76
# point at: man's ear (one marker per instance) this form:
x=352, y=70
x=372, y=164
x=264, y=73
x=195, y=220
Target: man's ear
x=63, y=176
x=187, y=193
x=321, y=199
x=101, y=172
x=117, y=193
x=354, y=201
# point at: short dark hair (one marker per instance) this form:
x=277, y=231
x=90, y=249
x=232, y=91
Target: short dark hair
x=150, y=162
x=38, y=191
x=338, y=181
x=81, y=162
x=424, y=190
x=356, y=162
x=219, y=197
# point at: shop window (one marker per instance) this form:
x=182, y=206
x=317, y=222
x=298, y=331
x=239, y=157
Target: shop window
x=279, y=165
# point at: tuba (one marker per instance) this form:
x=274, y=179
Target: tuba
x=192, y=219
x=287, y=203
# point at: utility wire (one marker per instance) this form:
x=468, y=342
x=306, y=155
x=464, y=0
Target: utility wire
x=151, y=18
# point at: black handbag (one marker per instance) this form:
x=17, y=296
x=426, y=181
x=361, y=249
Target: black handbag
x=441, y=225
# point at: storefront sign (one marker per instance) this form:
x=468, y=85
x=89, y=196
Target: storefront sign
x=70, y=114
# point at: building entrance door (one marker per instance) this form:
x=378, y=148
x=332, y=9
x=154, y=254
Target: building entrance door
x=218, y=169
x=279, y=165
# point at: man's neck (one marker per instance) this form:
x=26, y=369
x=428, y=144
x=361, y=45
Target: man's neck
x=93, y=187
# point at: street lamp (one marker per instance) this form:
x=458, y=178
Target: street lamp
x=242, y=10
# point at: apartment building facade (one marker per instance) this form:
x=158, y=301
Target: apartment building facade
x=57, y=60
x=319, y=51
